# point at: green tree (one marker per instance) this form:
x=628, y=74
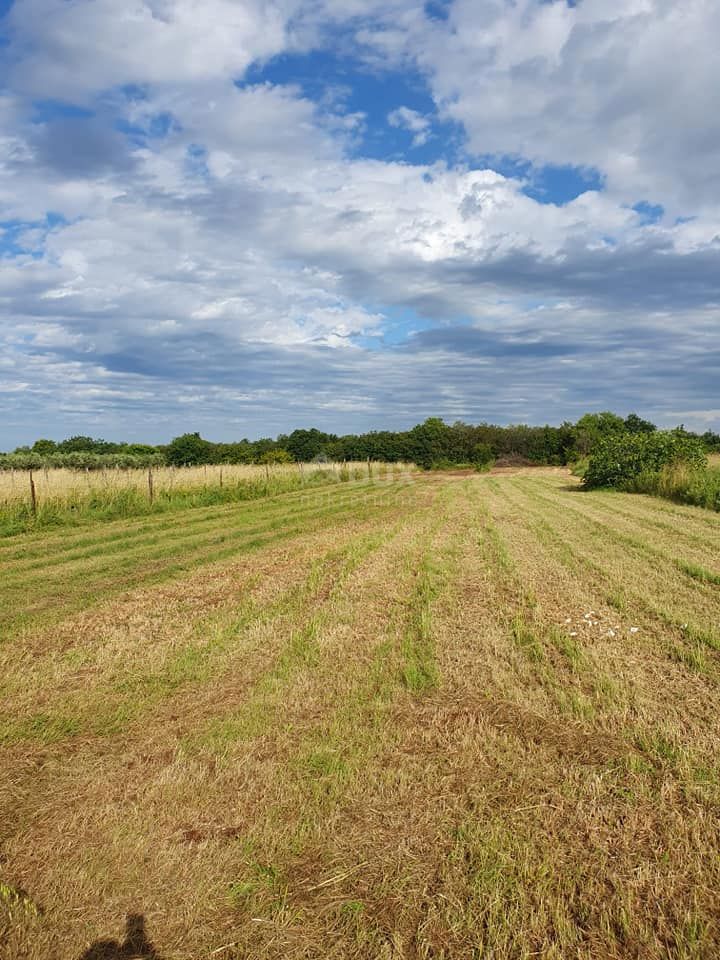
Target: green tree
x=430, y=442
x=593, y=427
x=77, y=444
x=482, y=454
x=635, y=424
x=305, y=445
x=44, y=447
x=190, y=449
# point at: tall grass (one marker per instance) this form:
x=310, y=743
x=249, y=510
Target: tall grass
x=699, y=486
x=71, y=497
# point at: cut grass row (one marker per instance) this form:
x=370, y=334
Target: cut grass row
x=48, y=543
x=111, y=706
x=195, y=531
x=507, y=884
x=690, y=603
x=298, y=655
x=33, y=591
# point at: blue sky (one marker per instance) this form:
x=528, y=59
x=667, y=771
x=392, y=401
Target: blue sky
x=245, y=216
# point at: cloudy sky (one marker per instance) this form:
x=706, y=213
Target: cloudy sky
x=245, y=216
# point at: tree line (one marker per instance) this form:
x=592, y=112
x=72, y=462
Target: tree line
x=432, y=443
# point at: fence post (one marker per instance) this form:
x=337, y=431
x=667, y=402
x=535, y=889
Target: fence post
x=150, y=485
x=33, y=497
x=221, y=478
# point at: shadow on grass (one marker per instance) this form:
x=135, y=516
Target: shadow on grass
x=135, y=946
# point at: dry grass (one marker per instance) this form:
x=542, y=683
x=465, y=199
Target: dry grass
x=449, y=718
x=77, y=485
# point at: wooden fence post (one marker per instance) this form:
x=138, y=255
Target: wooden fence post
x=150, y=485
x=33, y=497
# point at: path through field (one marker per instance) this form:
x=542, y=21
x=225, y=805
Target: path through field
x=437, y=717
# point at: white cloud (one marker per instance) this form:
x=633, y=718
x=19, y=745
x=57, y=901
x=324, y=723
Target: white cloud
x=247, y=250
x=411, y=120
x=621, y=85
x=84, y=46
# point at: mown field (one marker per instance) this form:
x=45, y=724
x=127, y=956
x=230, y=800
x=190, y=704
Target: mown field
x=431, y=716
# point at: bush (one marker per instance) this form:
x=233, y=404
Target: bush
x=80, y=461
x=617, y=461
x=276, y=456
x=483, y=455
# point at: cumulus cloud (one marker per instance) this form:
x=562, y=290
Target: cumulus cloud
x=618, y=85
x=78, y=48
x=186, y=238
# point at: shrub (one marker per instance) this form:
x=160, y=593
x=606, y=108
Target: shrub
x=276, y=456
x=482, y=455
x=617, y=461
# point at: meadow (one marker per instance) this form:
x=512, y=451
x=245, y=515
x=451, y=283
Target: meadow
x=61, y=497
x=416, y=715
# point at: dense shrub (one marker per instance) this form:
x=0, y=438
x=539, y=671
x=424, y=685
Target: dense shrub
x=482, y=455
x=618, y=461
x=79, y=460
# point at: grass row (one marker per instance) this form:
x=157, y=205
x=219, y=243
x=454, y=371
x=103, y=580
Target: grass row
x=35, y=592
x=640, y=581
x=113, y=503
x=110, y=706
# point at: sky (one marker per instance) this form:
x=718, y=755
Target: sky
x=246, y=216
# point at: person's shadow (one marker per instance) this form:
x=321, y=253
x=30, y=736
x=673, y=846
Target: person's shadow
x=135, y=946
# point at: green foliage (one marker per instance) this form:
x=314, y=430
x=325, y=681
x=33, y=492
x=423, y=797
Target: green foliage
x=619, y=460
x=431, y=443
x=305, y=445
x=593, y=428
x=276, y=456
x=188, y=450
x=79, y=460
x=82, y=444
x=482, y=454
x=44, y=448
x=635, y=424
x=711, y=441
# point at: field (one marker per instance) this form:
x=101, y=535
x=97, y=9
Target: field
x=425, y=716
x=60, y=497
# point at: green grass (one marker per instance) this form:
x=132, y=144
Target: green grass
x=103, y=505
x=419, y=669
x=75, y=574
x=699, y=487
